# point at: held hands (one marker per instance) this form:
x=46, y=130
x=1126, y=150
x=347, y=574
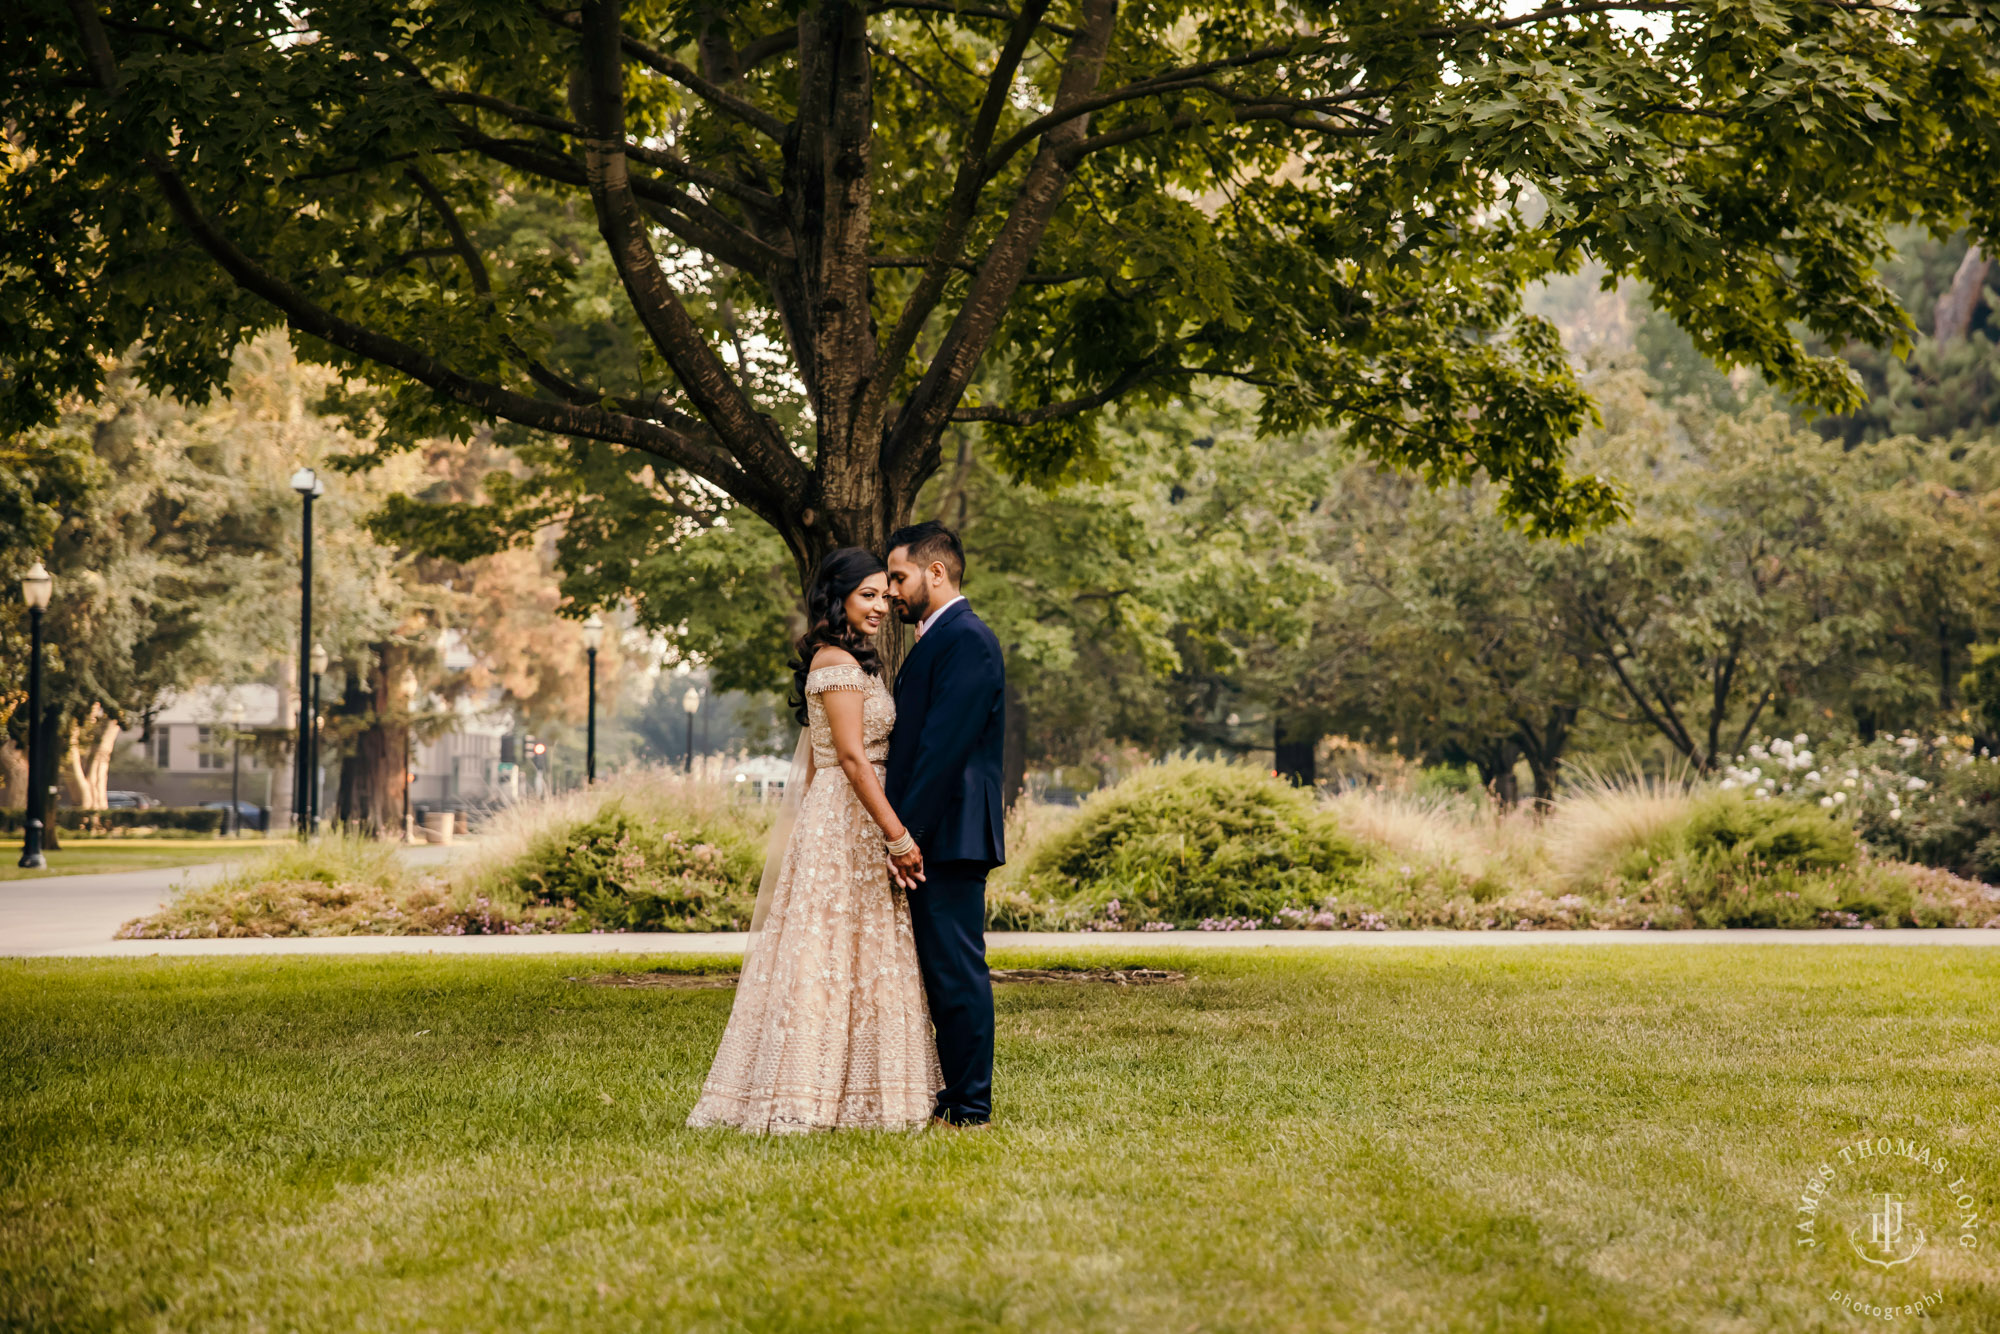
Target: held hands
x=908, y=869
x=906, y=861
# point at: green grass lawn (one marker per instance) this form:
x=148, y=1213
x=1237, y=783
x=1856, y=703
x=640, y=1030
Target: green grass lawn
x=1402, y=1139
x=88, y=856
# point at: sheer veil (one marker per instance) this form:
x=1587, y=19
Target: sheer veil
x=779, y=844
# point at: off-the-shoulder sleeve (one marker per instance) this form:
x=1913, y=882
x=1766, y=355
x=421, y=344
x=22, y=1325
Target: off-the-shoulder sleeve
x=840, y=676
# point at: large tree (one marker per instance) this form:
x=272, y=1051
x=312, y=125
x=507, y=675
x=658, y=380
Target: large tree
x=831, y=222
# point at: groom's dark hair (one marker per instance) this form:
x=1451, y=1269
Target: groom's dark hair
x=932, y=541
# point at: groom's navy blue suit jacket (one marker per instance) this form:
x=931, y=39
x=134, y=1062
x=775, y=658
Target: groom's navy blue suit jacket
x=945, y=754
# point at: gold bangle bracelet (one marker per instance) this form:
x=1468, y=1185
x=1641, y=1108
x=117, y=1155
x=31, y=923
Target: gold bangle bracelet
x=907, y=843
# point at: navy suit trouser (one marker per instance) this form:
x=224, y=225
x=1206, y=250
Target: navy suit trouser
x=948, y=914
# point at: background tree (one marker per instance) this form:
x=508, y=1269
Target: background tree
x=826, y=218
x=1437, y=638
x=173, y=533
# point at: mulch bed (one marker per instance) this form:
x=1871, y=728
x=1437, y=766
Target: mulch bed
x=675, y=981
x=1118, y=977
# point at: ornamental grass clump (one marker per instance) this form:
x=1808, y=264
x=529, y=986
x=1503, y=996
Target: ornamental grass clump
x=1188, y=841
x=337, y=885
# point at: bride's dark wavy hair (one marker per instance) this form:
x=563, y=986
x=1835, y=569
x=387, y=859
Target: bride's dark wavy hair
x=840, y=572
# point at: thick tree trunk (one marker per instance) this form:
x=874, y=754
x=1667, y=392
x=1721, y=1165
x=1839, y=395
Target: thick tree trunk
x=87, y=759
x=372, y=799
x=1543, y=748
x=1014, y=755
x=1295, y=749
x=1496, y=769
x=1952, y=316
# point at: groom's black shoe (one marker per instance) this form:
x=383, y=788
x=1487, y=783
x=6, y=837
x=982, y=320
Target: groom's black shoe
x=945, y=1116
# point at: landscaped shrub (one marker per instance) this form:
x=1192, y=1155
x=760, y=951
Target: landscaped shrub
x=1933, y=802
x=648, y=851
x=1631, y=854
x=1946, y=811
x=644, y=852
x=625, y=873
x=1192, y=840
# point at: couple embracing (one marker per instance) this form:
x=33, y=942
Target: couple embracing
x=870, y=923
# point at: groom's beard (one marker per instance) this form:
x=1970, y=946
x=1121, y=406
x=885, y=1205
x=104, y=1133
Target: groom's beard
x=913, y=610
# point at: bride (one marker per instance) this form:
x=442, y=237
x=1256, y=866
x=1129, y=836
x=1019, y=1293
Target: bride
x=830, y=1027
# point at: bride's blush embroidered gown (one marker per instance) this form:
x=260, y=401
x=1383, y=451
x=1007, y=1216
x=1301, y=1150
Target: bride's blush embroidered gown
x=830, y=1028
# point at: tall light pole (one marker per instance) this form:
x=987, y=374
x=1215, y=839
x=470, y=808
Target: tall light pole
x=307, y=483
x=36, y=586
x=593, y=639
x=312, y=804
x=235, y=767
x=690, y=703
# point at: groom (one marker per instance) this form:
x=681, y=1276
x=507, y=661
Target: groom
x=944, y=781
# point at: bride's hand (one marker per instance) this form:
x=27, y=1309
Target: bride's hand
x=908, y=869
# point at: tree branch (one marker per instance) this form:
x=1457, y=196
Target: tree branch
x=688, y=218
x=967, y=183
x=721, y=99
x=475, y=266
x=1072, y=407
x=973, y=11
x=1283, y=113
x=721, y=400
x=1164, y=82
x=967, y=266
x=652, y=157
x=913, y=441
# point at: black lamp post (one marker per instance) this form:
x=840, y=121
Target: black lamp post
x=235, y=768
x=307, y=483
x=318, y=671
x=593, y=639
x=691, y=704
x=36, y=585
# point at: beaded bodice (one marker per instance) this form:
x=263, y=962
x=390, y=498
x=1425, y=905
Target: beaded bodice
x=878, y=712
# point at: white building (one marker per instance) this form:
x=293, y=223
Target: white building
x=190, y=755
x=192, y=751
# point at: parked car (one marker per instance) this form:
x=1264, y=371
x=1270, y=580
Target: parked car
x=248, y=814
x=131, y=801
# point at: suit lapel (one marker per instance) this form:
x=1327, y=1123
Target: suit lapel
x=917, y=653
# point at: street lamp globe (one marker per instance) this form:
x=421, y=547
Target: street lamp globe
x=691, y=701
x=306, y=482
x=319, y=659
x=236, y=711
x=593, y=632
x=36, y=586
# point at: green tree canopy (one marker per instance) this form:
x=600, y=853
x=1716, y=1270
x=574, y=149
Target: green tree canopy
x=826, y=222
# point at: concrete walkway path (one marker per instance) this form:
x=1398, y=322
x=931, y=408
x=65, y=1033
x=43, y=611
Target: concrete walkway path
x=71, y=913
x=79, y=914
